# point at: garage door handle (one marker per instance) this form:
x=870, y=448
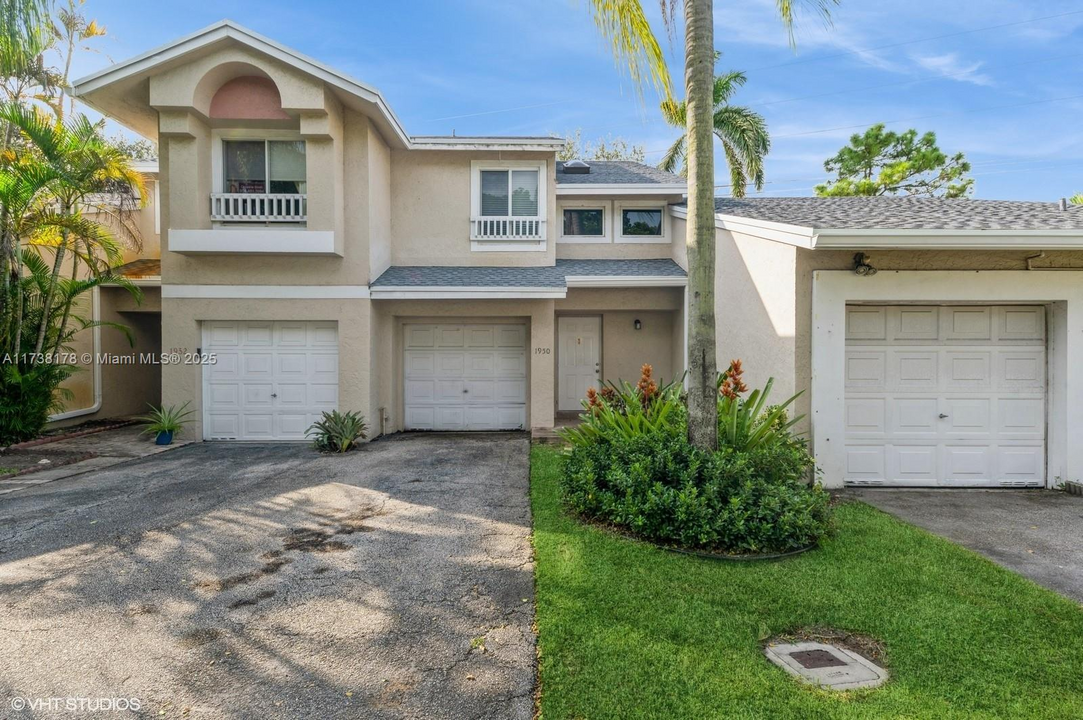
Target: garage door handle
x=942, y=416
x=274, y=395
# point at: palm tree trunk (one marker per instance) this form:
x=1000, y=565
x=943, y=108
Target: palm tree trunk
x=67, y=305
x=19, y=300
x=51, y=292
x=698, y=83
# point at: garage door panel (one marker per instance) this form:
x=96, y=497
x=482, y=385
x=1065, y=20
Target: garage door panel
x=226, y=366
x=450, y=336
x=1021, y=370
x=420, y=418
x=464, y=376
x=865, y=416
x=866, y=370
x=272, y=379
x=914, y=463
x=967, y=370
x=963, y=402
x=510, y=336
x=257, y=395
x=448, y=391
x=480, y=336
x=915, y=368
x=450, y=418
x=915, y=323
x=866, y=323
x=966, y=323
x=968, y=416
x=420, y=391
x=257, y=426
x=419, y=363
x=450, y=364
x=915, y=415
x=1021, y=323
x=866, y=462
x=257, y=335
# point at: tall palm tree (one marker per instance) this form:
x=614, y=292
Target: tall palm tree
x=742, y=132
x=624, y=24
x=90, y=176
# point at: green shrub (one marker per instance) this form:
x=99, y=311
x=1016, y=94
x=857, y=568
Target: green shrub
x=337, y=432
x=644, y=476
x=28, y=397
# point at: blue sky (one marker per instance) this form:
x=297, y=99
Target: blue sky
x=538, y=67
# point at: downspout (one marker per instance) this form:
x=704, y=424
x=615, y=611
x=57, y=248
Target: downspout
x=97, y=334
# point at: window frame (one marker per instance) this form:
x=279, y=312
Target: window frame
x=618, y=222
x=606, y=206
x=536, y=245
x=219, y=137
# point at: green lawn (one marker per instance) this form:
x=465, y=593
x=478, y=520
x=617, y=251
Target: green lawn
x=629, y=630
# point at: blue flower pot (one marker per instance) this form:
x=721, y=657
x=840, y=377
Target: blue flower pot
x=164, y=438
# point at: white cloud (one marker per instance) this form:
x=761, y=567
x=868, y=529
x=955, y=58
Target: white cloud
x=949, y=65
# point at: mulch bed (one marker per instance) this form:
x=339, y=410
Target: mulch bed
x=87, y=428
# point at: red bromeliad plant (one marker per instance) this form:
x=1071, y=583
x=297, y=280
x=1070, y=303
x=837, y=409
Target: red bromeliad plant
x=744, y=423
x=626, y=410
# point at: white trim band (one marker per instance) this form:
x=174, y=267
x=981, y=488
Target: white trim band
x=267, y=292
x=466, y=293
x=604, y=281
x=622, y=189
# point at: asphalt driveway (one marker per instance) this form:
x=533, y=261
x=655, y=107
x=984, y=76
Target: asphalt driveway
x=240, y=581
x=1037, y=533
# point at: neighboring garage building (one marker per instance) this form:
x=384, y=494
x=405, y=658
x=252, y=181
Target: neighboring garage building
x=956, y=361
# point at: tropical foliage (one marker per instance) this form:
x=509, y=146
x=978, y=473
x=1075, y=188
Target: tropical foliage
x=741, y=132
x=166, y=419
x=1076, y=199
x=631, y=465
x=607, y=148
x=338, y=431
x=634, y=44
x=882, y=162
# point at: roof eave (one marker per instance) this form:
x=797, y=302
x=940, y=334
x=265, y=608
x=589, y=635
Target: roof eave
x=621, y=188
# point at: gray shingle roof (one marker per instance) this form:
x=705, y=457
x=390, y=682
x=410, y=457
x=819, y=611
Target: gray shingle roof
x=604, y=172
x=905, y=213
x=533, y=277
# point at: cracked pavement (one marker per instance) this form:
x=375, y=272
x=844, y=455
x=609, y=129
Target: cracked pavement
x=237, y=581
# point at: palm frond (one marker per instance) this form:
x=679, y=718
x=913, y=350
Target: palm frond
x=673, y=160
x=787, y=8
x=624, y=24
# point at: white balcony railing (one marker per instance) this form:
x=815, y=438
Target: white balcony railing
x=507, y=228
x=259, y=207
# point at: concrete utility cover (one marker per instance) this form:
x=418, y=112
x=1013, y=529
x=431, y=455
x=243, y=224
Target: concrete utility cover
x=828, y=666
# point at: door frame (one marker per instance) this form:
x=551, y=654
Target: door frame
x=601, y=352
x=1060, y=292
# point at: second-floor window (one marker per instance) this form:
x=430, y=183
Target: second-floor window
x=264, y=166
x=509, y=193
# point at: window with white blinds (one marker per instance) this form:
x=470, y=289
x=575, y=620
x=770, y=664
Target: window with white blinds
x=509, y=193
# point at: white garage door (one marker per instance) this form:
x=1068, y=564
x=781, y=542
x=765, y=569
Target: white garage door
x=945, y=396
x=271, y=380
x=464, y=377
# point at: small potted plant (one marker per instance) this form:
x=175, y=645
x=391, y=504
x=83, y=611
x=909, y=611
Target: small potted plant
x=165, y=422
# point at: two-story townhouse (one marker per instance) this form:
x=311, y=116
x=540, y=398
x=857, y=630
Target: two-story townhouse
x=329, y=259
x=325, y=258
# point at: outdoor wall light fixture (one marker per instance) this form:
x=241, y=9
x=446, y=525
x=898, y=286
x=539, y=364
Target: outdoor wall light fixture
x=637, y=325
x=862, y=266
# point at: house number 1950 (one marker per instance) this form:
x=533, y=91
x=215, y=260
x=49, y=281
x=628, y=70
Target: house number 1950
x=542, y=351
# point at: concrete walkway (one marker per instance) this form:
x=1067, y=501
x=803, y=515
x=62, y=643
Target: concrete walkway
x=1037, y=533
x=109, y=447
x=270, y=581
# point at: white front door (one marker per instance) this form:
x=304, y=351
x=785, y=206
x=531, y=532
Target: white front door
x=948, y=396
x=464, y=377
x=579, y=348
x=270, y=380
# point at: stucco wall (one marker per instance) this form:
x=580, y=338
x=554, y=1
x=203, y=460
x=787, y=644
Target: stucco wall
x=181, y=328
x=430, y=209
